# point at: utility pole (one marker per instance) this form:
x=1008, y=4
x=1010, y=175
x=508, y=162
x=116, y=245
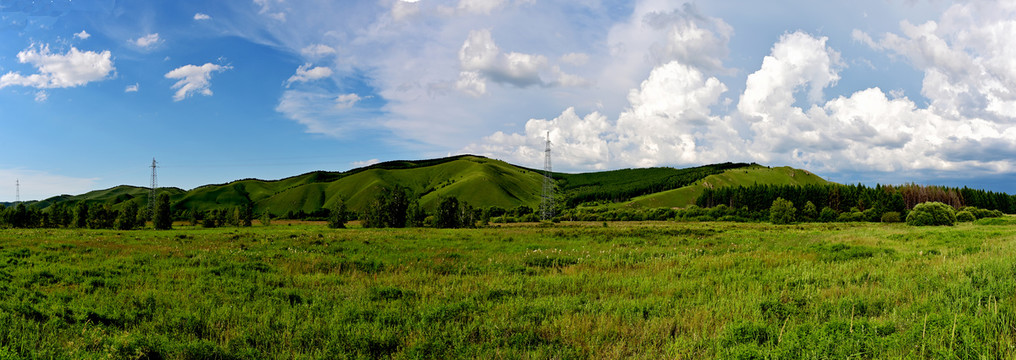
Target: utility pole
x=547, y=197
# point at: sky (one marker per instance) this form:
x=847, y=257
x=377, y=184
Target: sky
x=867, y=91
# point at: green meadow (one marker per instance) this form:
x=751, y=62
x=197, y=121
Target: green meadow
x=566, y=291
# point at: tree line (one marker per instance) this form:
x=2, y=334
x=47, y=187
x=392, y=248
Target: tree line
x=83, y=215
x=844, y=198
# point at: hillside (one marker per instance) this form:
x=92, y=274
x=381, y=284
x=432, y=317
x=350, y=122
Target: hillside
x=477, y=180
x=754, y=174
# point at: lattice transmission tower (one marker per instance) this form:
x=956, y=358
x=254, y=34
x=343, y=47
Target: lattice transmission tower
x=547, y=196
x=151, y=193
x=17, y=192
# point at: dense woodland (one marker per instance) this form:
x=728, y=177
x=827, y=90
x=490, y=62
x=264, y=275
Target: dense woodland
x=621, y=185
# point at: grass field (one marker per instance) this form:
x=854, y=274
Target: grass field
x=642, y=290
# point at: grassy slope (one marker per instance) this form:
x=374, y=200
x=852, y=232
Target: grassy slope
x=653, y=291
x=479, y=181
x=753, y=174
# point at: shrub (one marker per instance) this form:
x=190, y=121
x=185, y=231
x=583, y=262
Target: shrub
x=809, y=212
x=931, y=214
x=828, y=215
x=965, y=216
x=782, y=211
x=891, y=217
x=853, y=216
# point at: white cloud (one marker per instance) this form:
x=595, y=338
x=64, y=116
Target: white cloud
x=402, y=10
x=324, y=113
x=668, y=122
x=194, y=79
x=147, y=42
x=480, y=6
x=71, y=69
x=364, y=163
x=575, y=58
x=268, y=8
x=41, y=185
x=317, y=50
x=83, y=35
x=346, y=101
x=306, y=73
x=131, y=88
x=481, y=60
x=201, y=16
x=41, y=96
x=968, y=58
x=644, y=89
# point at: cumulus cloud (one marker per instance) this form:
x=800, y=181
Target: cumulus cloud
x=481, y=60
x=70, y=69
x=131, y=88
x=194, y=79
x=668, y=121
x=306, y=73
x=200, y=16
x=83, y=35
x=968, y=58
x=147, y=42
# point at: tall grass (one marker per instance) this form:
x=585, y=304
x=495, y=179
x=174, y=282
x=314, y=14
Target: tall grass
x=650, y=290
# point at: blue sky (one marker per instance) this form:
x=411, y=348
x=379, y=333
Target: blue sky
x=877, y=91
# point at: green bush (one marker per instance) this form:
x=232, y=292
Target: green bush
x=782, y=211
x=828, y=215
x=965, y=216
x=931, y=214
x=891, y=217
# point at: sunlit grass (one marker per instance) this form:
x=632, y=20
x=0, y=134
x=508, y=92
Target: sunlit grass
x=644, y=290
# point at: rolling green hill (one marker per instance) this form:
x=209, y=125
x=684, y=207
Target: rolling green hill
x=745, y=176
x=476, y=180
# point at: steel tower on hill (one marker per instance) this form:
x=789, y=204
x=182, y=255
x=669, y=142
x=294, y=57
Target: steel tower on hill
x=547, y=196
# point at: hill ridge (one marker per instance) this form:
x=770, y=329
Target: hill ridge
x=478, y=180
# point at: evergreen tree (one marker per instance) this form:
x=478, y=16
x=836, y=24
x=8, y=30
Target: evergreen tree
x=127, y=220
x=448, y=216
x=247, y=214
x=338, y=216
x=81, y=215
x=163, y=219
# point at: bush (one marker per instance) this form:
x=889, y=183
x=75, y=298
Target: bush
x=853, y=216
x=891, y=217
x=809, y=212
x=828, y=215
x=931, y=214
x=782, y=211
x=965, y=216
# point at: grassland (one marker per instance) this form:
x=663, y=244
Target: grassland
x=641, y=290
